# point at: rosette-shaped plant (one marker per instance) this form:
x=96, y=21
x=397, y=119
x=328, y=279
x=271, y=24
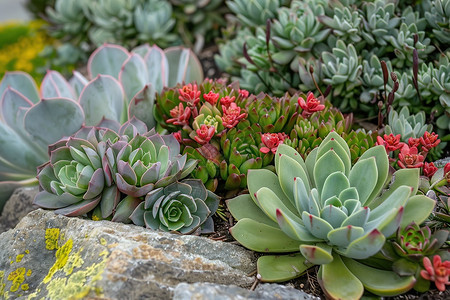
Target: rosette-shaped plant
x=342, y=69
x=438, y=18
x=332, y=212
x=240, y=147
x=181, y=206
x=408, y=126
x=411, y=245
x=273, y=114
x=77, y=177
x=148, y=162
x=122, y=86
x=254, y=13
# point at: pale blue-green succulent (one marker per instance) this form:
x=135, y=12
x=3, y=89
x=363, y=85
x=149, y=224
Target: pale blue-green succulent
x=408, y=126
x=331, y=211
x=119, y=85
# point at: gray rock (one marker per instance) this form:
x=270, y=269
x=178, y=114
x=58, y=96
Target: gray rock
x=18, y=206
x=209, y=291
x=48, y=256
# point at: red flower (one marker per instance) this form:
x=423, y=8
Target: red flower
x=429, y=140
x=271, y=141
x=244, y=93
x=232, y=115
x=412, y=142
x=177, y=135
x=204, y=134
x=390, y=142
x=226, y=101
x=438, y=272
x=310, y=106
x=180, y=115
x=211, y=97
x=189, y=94
x=410, y=158
x=429, y=169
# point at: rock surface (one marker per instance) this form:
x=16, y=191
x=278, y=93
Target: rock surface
x=54, y=257
x=18, y=206
x=209, y=291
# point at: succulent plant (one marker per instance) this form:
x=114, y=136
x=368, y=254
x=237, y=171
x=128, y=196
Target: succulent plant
x=407, y=250
x=437, y=272
x=408, y=126
x=438, y=18
x=333, y=212
x=255, y=12
x=181, y=206
x=122, y=86
x=351, y=38
x=89, y=170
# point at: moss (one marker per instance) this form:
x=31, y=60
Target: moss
x=62, y=255
x=51, y=238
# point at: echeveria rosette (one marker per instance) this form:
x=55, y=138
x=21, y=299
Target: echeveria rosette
x=150, y=161
x=77, y=177
x=181, y=206
x=333, y=212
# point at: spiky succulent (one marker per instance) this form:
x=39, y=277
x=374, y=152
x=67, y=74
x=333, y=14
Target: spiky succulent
x=181, y=206
x=333, y=212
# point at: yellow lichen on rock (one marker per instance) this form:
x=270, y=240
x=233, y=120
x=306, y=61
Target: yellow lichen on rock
x=19, y=257
x=17, y=277
x=2, y=284
x=62, y=255
x=51, y=238
x=74, y=261
x=80, y=283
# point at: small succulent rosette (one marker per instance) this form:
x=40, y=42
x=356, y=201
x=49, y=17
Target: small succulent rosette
x=77, y=178
x=181, y=206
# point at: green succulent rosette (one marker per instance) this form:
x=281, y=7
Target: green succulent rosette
x=150, y=161
x=336, y=214
x=181, y=206
x=77, y=178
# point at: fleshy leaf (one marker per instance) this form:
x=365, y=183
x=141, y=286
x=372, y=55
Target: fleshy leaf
x=380, y=282
x=281, y=268
x=133, y=76
x=243, y=206
x=107, y=60
x=184, y=66
x=22, y=82
x=262, y=238
x=141, y=106
x=102, y=98
x=362, y=177
x=318, y=254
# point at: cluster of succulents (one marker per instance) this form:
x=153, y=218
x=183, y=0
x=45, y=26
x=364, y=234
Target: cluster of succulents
x=129, y=175
x=119, y=85
x=336, y=214
x=84, y=25
x=342, y=44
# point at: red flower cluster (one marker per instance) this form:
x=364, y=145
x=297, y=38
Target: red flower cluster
x=429, y=140
x=410, y=158
x=226, y=101
x=439, y=272
x=310, y=106
x=429, y=169
x=231, y=114
x=180, y=115
x=189, y=94
x=271, y=141
x=204, y=134
x=211, y=97
x=390, y=142
x=243, y=93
